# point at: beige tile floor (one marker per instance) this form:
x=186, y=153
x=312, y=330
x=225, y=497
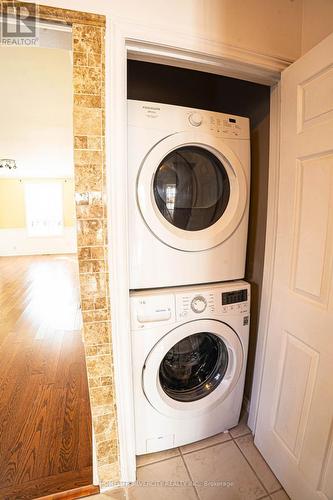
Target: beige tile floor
x=224, y=467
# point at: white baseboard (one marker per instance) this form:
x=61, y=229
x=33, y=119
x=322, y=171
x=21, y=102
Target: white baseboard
x=17, y=242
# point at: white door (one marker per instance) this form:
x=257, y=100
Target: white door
x=295, y=422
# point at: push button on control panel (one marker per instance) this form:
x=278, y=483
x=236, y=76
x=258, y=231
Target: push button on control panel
x=237, y=308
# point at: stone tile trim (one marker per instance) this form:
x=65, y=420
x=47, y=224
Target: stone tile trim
x=66, y=16
x=88, y=32
x=91, y=213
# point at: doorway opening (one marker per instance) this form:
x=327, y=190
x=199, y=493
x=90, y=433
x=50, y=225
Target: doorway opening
x=45, y=415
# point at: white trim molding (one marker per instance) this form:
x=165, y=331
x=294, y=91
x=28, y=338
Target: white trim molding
x=116, y=175
x=149, y=44
x=157, y=45
x=231, y=61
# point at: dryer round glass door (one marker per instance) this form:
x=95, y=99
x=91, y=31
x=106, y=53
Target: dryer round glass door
x=192, y=191
x=191, y=188
x=192, y=368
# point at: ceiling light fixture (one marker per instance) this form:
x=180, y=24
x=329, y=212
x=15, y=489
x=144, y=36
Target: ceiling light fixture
x=7, y=163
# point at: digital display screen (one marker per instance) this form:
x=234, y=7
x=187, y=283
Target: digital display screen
x=232, y=120
x=234, y=297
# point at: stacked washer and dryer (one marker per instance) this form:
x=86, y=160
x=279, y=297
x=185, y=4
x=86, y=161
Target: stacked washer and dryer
x=188, y=192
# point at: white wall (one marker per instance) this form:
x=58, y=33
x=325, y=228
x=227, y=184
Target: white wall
x=36, y=130
x=282, y=28
x=36, y=106
x=271, y=27
x=317, y=22
x=18, y=242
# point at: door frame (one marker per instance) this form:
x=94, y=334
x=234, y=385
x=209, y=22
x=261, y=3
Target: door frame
x=141, y=42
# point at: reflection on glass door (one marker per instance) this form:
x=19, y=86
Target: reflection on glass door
x=191, y=188
x=194, y=367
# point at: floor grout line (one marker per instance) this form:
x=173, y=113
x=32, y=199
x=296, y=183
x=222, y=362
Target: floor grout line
x=254, y=471
x=205, y=447
x=231, y=438
x=188, y=452
x=193, y=451
x=240, y=435
x=188, y=472
x=269, y=493
x=276, y=491
x=158, y=461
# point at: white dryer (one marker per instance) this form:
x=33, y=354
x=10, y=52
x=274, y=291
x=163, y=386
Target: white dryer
x=189, y=348
x=188, y=192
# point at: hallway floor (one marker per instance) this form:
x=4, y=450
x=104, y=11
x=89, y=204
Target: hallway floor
x=225, y=467
x=45, y=422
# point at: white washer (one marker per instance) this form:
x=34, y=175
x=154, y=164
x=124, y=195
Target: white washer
x=188, y=194
x=189, y=348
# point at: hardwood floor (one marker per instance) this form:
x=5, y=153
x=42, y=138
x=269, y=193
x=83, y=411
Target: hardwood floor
x=45, y=420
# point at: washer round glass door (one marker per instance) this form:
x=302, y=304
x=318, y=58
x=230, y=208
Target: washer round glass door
x=192, y=191
x=193, y=368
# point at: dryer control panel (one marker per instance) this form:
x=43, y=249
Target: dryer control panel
x=152, y=115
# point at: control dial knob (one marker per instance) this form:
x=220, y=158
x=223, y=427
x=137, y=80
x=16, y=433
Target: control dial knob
x=198, y=304
x=195, y=119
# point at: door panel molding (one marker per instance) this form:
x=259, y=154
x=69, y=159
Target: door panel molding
x=325, y=485
x=308, y=97
x=291, y=427
x=312, y=258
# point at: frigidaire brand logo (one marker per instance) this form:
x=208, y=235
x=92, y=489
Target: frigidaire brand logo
x=18, y=23
x=151, y=108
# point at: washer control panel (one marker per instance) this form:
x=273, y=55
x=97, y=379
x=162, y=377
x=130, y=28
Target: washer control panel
x=211, y=303
x=151, y=309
